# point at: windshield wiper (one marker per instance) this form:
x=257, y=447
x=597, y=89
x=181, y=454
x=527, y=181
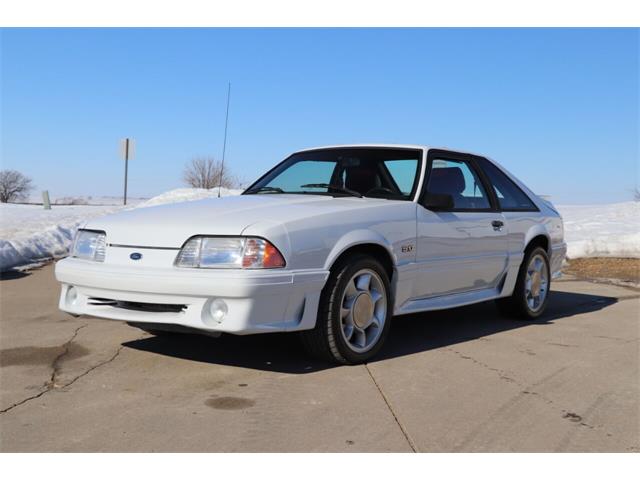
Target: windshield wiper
x=265, y=189
x=335, y=187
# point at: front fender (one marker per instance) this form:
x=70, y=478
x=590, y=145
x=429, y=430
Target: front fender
x=358, y=237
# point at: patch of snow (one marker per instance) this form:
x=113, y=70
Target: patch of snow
x=187, y=195
x=611, y=230
x=29, y=233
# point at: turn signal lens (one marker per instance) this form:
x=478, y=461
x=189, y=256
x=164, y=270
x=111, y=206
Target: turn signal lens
x=272, y=257
x=259, y=253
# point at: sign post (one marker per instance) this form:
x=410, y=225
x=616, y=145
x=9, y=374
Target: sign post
x=126, y=150
x=46, y=203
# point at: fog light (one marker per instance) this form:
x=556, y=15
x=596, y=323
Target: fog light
x=218, y=310
x=72, y=296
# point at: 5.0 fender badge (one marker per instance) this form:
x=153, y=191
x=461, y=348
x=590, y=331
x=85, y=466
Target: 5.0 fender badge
x=135, y=256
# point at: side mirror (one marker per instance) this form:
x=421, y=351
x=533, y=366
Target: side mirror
x=438, y=201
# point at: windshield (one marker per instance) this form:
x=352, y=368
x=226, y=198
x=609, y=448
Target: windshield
x=390, y=173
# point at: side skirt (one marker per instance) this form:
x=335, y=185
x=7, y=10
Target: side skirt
x=447, y=301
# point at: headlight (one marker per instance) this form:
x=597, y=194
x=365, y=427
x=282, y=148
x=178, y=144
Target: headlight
x=90, y=245
x=229, y=252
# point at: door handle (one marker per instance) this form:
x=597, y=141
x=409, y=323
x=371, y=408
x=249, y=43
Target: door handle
x=497, y=224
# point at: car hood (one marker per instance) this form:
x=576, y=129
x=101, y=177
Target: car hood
x=169, y=226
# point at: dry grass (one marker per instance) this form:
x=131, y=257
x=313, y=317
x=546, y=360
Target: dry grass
x=625, y=269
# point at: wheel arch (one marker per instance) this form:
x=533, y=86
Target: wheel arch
x=538, y=239
x=363, y=241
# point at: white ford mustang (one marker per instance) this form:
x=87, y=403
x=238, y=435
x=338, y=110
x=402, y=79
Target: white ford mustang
x=332, y=243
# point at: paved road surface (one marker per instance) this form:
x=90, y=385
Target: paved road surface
x=462, y=380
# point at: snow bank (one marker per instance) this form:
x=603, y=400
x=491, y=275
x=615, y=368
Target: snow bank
x=29, y=233
x=187, y=194
x=611, y=230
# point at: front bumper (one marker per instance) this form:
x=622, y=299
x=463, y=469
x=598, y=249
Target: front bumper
x=257, y=301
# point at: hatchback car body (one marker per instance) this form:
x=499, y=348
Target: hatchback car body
x=332, y=242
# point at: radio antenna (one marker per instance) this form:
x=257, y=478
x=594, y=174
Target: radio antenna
x=224, y=143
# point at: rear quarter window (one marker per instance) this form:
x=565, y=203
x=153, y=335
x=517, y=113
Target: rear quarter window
x=510, y=196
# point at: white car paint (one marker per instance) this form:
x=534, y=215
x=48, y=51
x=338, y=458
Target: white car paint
x=440, y=259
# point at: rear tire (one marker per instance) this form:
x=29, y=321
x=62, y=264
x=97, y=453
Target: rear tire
x=354, y=315
x=531, y=293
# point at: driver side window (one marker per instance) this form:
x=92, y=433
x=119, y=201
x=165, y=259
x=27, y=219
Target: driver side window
x=458, y=179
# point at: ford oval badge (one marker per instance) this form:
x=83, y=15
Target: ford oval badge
x=135, y=256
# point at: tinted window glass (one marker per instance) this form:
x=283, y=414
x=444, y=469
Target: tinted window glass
x=457, y=178
x=403, y=173
x=510, y=197
x=303, y=172
x=389, y=173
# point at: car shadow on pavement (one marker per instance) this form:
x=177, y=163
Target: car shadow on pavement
x=427, y=331
x=13, y=274
x=282, y=352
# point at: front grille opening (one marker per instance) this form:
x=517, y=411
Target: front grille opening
x=138, y=306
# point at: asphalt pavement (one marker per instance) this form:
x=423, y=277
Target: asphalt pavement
x=463, y=380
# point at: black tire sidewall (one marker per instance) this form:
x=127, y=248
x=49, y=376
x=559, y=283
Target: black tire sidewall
x=520, y=294
x=345, y=271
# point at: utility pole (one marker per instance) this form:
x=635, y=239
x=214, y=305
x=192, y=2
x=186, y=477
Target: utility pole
x=224, y=143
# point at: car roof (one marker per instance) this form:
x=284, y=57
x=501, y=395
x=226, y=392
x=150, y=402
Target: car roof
x=388, y=145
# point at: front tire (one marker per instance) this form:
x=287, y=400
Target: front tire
x=354, y=315
x=531, y=293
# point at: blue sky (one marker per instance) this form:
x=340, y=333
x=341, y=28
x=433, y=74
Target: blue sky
x=559, y=108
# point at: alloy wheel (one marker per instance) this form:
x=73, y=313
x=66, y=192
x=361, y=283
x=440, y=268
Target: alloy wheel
x=536, y=283
x=363, y=310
